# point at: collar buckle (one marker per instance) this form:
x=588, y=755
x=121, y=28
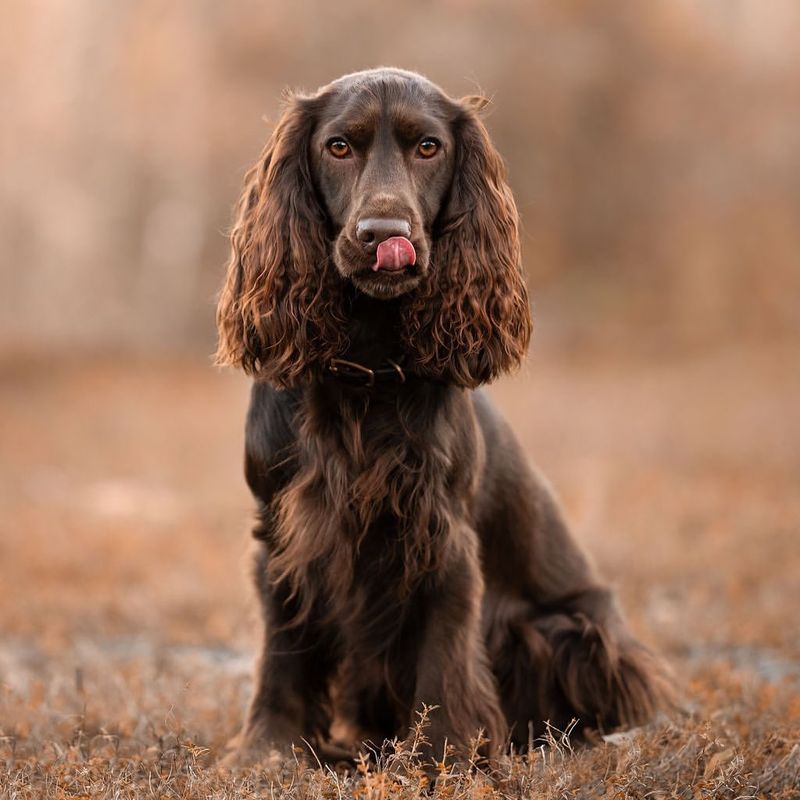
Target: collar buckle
x=360, y=375
x=350, y=370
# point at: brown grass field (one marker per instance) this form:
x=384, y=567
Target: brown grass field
x=129, y=629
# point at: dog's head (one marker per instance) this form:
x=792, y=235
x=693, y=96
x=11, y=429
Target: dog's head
x=383, y=156
x=381, y=184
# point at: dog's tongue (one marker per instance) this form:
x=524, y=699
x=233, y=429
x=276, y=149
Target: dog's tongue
x=394, y=254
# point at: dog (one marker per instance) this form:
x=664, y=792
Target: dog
x=408, y=555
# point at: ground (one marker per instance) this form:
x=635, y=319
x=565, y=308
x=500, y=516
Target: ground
x=128, y=623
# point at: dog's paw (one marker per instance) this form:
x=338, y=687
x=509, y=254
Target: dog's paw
x=240, y=754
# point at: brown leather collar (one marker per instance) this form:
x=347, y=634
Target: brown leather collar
x=361, y=375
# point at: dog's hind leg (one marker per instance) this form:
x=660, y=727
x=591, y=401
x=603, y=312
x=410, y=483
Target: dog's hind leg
x=559, y=646
x=575, y=667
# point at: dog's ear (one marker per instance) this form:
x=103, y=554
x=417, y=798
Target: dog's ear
x=471, y=320
x=278, y=312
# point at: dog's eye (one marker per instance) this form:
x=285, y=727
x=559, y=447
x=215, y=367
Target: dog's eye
x=428, y=147
x=338, y=148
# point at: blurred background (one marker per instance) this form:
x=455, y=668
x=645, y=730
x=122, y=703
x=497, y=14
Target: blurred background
x=653, y=148
x=654, y=151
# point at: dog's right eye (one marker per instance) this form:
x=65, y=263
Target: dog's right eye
x=339, y=148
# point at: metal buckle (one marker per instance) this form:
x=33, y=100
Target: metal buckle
x=336, y=364
x=399, y=370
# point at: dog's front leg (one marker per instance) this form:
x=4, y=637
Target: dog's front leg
x=290, y=705
x=453, y=673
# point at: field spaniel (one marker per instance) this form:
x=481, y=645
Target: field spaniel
x=408, y=554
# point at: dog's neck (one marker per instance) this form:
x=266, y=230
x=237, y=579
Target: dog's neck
x=375, y=332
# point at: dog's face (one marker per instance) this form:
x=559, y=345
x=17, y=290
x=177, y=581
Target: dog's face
x=381, y=182
x=382, y=158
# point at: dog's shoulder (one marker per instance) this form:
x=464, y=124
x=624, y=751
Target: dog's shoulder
x=270, y=435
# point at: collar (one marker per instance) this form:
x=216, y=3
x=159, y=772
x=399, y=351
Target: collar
x=352, y=372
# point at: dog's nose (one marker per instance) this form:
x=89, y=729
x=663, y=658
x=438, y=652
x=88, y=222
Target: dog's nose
x=374, y=230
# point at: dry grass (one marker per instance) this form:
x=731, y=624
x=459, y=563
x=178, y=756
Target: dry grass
x=127, y=626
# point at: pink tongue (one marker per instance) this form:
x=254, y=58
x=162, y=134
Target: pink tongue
x=394, y=254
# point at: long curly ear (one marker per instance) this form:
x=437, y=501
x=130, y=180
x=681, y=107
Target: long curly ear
x=278, y=313
x=470, y=321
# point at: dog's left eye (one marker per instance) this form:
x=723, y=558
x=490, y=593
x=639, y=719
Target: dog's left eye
x=428, y=147
x=338, y=148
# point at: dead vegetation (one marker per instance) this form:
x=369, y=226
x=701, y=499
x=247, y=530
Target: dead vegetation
x=747, y=748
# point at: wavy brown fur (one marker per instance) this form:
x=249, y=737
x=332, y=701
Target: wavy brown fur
x=280, y=309
x=470, y=320
x=344, y=483
x=408, y=555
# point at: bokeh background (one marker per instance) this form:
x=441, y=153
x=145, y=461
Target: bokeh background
x=654, y=150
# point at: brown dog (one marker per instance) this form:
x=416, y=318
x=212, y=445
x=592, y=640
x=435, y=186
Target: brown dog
x=408, y=554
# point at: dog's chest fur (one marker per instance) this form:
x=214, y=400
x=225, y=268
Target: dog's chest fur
x=367, y=515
